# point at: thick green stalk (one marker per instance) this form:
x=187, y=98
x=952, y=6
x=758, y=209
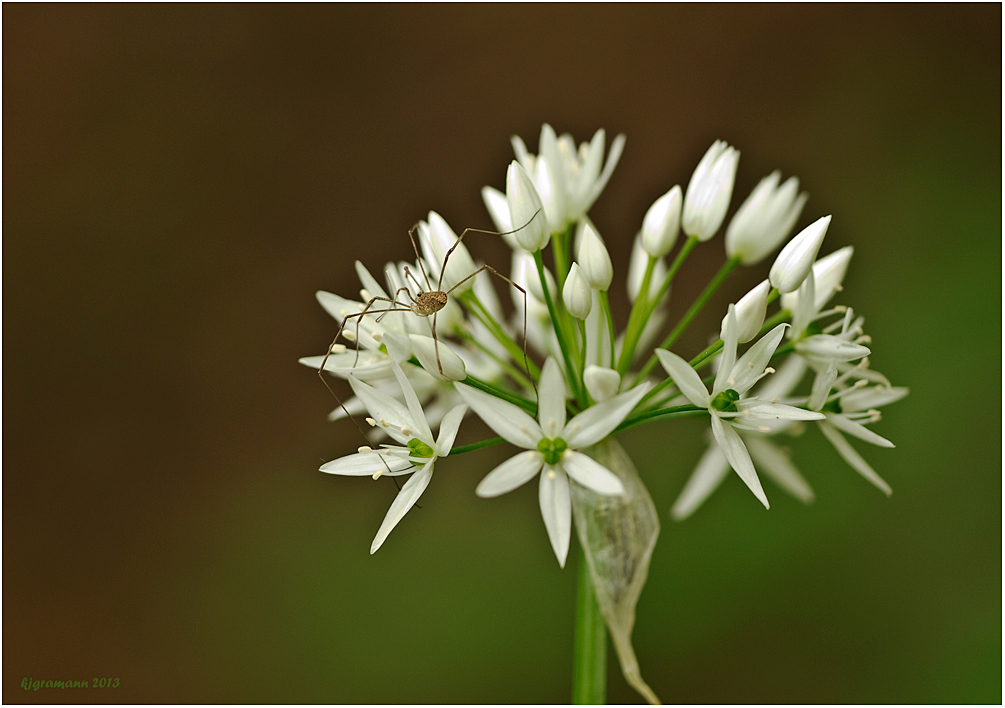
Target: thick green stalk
x=589, y=679
x=692, y=312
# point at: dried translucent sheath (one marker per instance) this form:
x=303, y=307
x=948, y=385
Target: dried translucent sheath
x=618, y=535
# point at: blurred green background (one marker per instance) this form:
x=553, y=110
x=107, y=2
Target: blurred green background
x=179, y=180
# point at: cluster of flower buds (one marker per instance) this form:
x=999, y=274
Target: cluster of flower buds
x=557, y=375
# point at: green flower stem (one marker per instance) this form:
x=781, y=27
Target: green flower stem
x=513, y=372
x=692, y=312
x=589, y=679
x=560, y=331
x=582, y=359
x=605, y=303
x=659, y=414
x=481, y=313
x=560, y=243
x=461, y=449
x=641, y=310
x=513, y=398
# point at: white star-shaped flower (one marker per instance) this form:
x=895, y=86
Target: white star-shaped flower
x=417, y=452
x=726, y=405
x=551, y=444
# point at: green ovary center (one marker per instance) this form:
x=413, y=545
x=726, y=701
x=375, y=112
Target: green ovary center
x=725, y=401
x=419, y=448
x=552, y=449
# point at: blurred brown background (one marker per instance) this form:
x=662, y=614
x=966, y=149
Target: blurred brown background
x=179, y=180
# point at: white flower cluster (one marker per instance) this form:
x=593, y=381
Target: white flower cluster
x=557, y=375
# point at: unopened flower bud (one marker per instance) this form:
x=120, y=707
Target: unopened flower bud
x=601, y=382
x=709, y=190
x=794, y=262
x=526, y=210
x=828, y=272
x=764, y=220
x=577, y=294
x=435, y=355
x=750, y=311
x=495, y=202
x=437, y=238
x=594, y=259
x=662, y=222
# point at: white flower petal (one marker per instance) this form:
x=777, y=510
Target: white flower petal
x=591, y=474
x=512, y=473
x=449, y=426
x=827, y=347
x=750, y=311
x=602, y=383
x=509, y=421
x=495, y=202
x=858, y=430
x=556, y=510
x=730, y=335
x=551, y=399
x=421, y=429
x=850, y=456
x=613, y=155
x=685, y=377
x=707, y=476
x=382, y=406
x=874, y=397
x=596, y=422
x=409, y=494
x=366, y=464
x=752, y=409
x=776, y=464
x=752, y=364
x=732, y=447
x=822, y=384
x=435, y=355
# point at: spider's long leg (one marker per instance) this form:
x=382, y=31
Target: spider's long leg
x=490, y=269
x=418, y=258
x=446, y=257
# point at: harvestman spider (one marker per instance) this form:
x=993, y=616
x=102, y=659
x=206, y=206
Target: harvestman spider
x=428, y=302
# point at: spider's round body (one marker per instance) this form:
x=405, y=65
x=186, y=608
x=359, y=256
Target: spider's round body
x=428, y=303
